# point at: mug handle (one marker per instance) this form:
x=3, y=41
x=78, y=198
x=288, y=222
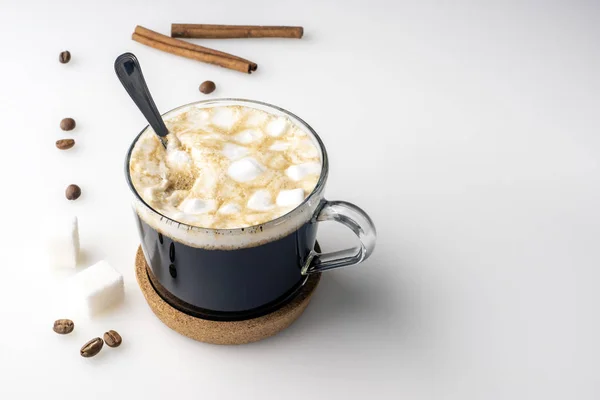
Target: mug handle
x=354, y=218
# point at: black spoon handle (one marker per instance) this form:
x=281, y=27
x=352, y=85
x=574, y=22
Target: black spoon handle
x=130, y=74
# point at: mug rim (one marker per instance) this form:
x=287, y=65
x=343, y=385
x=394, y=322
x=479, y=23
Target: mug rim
x=317, y=189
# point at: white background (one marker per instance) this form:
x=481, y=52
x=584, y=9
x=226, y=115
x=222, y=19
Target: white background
x=470, y=131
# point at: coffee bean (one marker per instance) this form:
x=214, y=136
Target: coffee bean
x=63, y=326
x=112, y=338
x=64, y=57
x=207, y=87
x=91, y=348
x=73, y=192
x=67, y=124
x=172, y=252
x=65, y=144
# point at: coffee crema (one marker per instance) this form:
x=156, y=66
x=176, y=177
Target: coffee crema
x=225, y=167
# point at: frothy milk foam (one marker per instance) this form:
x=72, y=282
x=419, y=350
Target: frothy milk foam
x=225, y=167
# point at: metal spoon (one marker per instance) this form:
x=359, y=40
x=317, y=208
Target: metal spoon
x=130, y=74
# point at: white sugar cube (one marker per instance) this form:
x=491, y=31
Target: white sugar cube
x=63, y=243
x=97, y=288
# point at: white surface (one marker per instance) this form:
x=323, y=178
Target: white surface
x=469, y=132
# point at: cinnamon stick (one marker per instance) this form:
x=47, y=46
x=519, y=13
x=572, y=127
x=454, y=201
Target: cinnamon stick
x=184, y=49
x=207, y=31
x=140, y=30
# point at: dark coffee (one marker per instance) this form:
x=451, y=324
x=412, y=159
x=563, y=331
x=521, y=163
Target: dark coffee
x=227, y=284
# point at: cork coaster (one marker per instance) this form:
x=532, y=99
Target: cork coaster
x=220, y=332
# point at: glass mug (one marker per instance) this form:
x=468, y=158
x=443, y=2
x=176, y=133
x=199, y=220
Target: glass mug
x=236, y=274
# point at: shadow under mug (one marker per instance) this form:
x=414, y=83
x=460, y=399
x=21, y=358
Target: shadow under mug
x=236, y=274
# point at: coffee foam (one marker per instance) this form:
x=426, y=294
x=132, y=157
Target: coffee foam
x=225, y=167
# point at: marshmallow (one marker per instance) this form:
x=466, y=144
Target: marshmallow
x=248, y=136
x=198, y=115
x=97, y=288
x=298, y=172
x=255, y=117
x=290, y=198
x=197, y=206
x=149, y=192
x=193, y=118
x=63, y=243
x=225, y=117
x=229, y=209
x=280, y=146
x=245, y=170
x=309, y=184
x=234, y=152
x=260, y=201
x=178, y=159
x=173, y=143
x=277, y=127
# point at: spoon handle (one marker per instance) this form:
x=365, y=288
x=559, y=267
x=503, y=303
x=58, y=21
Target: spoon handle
x=130, y=74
